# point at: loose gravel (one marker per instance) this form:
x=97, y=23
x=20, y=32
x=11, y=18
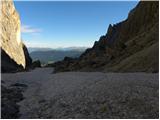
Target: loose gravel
x=87, y=94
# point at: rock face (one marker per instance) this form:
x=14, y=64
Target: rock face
x=27, y=57
x=8, y=64
x=11, y=44
x=129, y=46
x=36, y=64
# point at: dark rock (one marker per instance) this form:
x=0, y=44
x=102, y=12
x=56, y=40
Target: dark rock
x=28, y=59
x=9, y=98
x=19, y=85
x=9, y=110
x=36, y=64
x=8, y=64
x=128, y=46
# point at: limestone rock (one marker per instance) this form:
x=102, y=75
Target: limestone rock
x=7, y=64
x=10, y=35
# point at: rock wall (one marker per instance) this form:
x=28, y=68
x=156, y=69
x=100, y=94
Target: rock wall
x=10, y=34
x=27, y=56
x=8, y=64
x=128, y=46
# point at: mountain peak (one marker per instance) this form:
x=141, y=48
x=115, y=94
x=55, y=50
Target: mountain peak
x=130, y=45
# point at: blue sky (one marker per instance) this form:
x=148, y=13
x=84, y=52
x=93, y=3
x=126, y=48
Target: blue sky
x=66, y=24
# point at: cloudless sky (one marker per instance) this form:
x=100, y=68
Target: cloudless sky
x=67, y=24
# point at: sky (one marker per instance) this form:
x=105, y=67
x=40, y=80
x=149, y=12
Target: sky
x=54, y=24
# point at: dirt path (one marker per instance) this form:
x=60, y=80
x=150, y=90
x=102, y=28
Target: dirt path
x=87, y=95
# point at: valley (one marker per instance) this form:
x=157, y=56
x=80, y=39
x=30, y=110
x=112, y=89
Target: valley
x=118, y=77
x=51, y=56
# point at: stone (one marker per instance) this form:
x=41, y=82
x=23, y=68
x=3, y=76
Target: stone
x=128, y=46
x=11, y=45
x=35, y=64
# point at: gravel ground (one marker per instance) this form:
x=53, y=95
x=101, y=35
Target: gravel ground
x=87, y=94
x=10, y=96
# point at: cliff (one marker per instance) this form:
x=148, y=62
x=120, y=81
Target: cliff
x=128, y=46
x=11, y=45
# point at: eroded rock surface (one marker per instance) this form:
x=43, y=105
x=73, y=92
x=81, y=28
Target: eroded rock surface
x=10, y=34
x=129, y=46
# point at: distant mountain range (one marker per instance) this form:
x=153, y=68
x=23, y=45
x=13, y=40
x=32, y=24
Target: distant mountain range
x=49, y=55
x=32, y=49
x=72, y=49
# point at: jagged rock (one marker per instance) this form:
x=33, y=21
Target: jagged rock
x=61, y=66
x=27, y=57
x=13, y=50
x=7, y=64
x=35, y=64
x=128, y=46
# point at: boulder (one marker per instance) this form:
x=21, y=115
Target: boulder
x=36, y=64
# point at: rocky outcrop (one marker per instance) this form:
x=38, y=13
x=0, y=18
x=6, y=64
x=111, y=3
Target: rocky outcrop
x=27, y=57
x=13, y=49
x=129, y=46
x=36, y=64
x=8, y=64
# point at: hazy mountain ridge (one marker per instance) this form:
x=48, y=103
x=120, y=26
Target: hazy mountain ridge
x=129, y=46
x=32, y=49
x=54, y=55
